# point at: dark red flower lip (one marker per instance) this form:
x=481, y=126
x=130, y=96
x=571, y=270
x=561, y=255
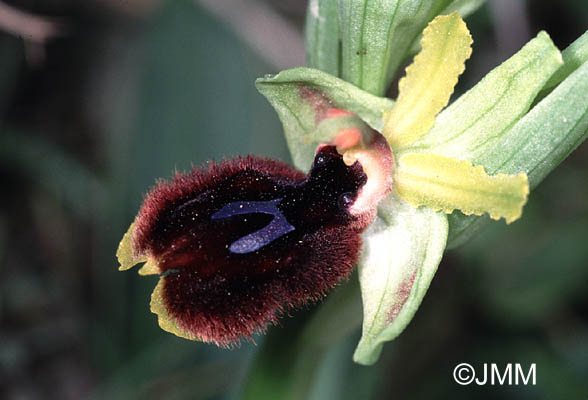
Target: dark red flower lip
x=239, y=243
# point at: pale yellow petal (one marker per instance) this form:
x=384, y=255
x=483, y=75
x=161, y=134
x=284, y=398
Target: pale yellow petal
x=150, y=268
x=447, y=184
x=429, y=80
x=128, y=259
x=125, y=254
x=165, y=320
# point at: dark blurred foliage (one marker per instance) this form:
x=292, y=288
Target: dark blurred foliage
x=124, y=92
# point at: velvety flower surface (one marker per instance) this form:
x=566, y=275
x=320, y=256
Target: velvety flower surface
x=240, y=242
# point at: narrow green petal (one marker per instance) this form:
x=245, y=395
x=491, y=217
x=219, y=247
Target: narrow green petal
x=446, y=184
x=402, y=250
x=429, y=80
x=472, y=124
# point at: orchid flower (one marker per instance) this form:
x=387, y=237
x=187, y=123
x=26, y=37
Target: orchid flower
x=383, y=184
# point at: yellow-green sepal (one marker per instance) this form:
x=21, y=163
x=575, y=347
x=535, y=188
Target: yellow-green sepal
x=429, y=80
x=446, y=184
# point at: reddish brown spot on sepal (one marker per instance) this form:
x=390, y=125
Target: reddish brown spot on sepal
x=241, y=242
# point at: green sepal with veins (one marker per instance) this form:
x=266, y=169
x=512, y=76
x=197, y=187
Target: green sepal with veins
x=298, y=95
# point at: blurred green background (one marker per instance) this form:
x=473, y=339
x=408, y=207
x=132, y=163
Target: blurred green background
x=99, y=98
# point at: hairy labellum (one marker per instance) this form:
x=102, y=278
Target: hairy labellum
x=241, y=242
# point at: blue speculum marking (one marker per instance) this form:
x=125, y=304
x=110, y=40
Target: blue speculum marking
x=278, y=226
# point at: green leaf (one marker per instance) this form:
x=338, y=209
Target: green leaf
x=322, y=36
x=475, y=121
x=402, y=250
x=290, y=93
x=375, y=38
x=538, y=143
